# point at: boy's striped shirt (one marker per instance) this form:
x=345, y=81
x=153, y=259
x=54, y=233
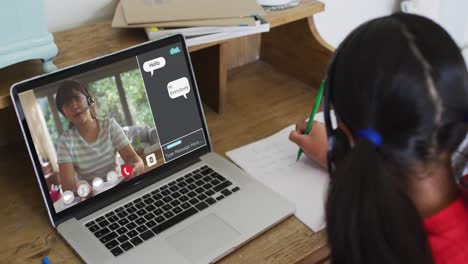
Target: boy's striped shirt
x=93, y=159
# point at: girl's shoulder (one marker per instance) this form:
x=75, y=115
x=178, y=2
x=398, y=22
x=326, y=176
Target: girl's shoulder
x=447, y=232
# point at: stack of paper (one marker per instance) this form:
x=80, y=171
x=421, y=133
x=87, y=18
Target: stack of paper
x=272, y=161
x=200, y=21
x=200, y=35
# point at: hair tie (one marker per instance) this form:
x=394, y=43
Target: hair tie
x=370, y=135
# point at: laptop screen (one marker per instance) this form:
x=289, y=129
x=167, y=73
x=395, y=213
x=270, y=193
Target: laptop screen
x=100, y=128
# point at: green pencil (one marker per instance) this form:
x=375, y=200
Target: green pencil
x=318, y=99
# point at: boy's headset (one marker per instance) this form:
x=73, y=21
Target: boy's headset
x=89, y=99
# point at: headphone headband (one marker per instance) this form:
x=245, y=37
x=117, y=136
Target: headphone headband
x=89, y=98
x=338, y=142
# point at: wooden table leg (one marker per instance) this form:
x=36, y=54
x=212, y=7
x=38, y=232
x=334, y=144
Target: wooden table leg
x=210, y=69
x=10, y=134
x=297, y=49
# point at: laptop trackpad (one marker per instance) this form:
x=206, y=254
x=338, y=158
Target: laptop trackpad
x=202, y=237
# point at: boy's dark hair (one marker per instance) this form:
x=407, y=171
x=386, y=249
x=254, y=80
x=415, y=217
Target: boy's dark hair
x=404, y=77
x=65, y=92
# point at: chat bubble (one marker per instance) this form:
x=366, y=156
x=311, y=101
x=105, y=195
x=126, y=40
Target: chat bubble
x=179, y=87
x=152, y=65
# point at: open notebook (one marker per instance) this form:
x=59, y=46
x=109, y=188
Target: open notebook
x=272, y=161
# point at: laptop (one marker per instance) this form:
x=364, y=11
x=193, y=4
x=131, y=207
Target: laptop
x=123, y=158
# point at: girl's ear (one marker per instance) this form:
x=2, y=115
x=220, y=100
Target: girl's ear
x=432, y=167
x=347, y=132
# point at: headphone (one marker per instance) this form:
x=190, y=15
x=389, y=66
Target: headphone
x=90, y=100
x=338, y=142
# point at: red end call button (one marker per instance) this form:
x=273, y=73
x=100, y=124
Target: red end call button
x=126, y=170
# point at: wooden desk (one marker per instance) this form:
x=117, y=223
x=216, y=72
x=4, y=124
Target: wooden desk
x=263, y=98
x=261, y=101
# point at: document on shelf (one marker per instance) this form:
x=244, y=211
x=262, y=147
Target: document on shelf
x=119, y=21
x=143, y=11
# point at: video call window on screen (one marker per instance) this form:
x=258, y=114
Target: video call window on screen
x=116, y=97
x=110, y=125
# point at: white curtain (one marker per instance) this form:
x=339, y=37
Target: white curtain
x=38, y=128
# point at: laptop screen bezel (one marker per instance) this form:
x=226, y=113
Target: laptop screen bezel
x=111, y=195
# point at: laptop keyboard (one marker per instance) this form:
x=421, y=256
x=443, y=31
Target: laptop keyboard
x=141, y=219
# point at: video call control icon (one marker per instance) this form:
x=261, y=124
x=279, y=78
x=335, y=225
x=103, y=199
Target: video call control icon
x=151, y=160
x=98, y=183
x=126, y=170
x=68, y=197
x=83, y=189
x=112, y=177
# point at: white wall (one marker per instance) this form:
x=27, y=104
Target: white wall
x=450, y=14
x=342, y=16
x=453, y=16
x=65, y=14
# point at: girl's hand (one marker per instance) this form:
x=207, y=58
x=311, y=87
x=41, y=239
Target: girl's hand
x=314, y=144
